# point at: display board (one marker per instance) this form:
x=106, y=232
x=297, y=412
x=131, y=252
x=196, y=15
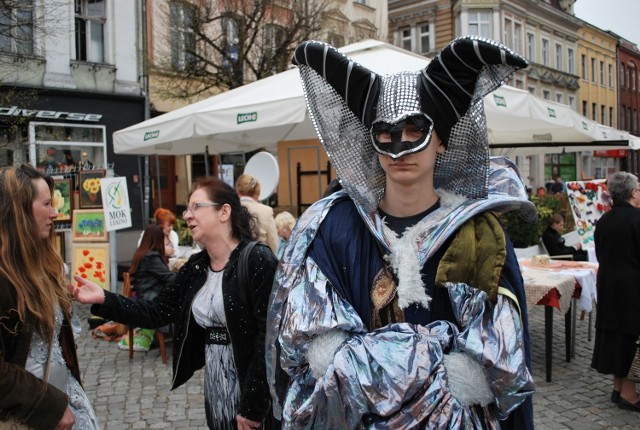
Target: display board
x=588, y=201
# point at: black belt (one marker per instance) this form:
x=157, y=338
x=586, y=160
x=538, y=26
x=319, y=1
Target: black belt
x=217, y=336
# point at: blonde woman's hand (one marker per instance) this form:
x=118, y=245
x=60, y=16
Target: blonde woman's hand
x=67, y=421
x=245, y=424
x=88, y=292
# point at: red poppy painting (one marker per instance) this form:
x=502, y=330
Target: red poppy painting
x=91, y=261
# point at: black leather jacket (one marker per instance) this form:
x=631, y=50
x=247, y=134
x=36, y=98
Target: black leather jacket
x=151, y=276
x=245, y=310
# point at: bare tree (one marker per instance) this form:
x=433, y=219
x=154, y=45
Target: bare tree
x=225, y=44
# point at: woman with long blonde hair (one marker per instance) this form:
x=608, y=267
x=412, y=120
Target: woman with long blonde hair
x=39, y=372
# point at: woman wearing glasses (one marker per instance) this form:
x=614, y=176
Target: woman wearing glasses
x=150, y=272
x=219, y=323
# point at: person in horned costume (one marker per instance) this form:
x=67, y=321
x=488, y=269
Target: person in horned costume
x=398, y=302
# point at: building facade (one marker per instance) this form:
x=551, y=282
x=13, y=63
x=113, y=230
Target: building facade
x=570, y=62
x=68, y=81
x=629, y=95
x=170, y=45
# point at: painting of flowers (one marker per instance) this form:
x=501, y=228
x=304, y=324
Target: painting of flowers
x=89, y=187
x=61, y=200
x=89, y=226
x=91, y=261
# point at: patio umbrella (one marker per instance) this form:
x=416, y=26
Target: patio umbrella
x=273, y=109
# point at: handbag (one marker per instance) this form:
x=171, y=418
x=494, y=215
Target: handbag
x=634, y=370
x=12, y=423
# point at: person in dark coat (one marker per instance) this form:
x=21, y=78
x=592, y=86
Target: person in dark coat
x=617, y=240
x=220, y=323
x=554, y=242
x=150, y=272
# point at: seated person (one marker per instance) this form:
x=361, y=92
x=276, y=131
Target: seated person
x=554, y=242
x=150, y=272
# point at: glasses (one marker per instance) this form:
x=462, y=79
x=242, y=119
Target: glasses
x=194, y=207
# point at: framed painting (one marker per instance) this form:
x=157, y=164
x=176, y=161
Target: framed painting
x=89, y=226
x=62, y=201
x=91, y=261
x=89, y=187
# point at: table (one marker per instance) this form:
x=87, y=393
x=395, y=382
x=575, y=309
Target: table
x=557, y=285
x=550, y=289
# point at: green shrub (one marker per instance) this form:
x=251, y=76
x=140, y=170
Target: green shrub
x=184, y=233
x=524, y=234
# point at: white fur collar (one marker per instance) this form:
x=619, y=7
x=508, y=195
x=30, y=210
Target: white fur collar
x=404, y=258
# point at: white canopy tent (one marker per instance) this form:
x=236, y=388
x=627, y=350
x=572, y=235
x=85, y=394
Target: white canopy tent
x=262, y=113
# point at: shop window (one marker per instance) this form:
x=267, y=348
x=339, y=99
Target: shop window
x=16, y=29
x=90, y=18
x=563, y=165
x=183, y=39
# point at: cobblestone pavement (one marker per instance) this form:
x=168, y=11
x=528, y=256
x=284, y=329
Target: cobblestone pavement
x=135, y=394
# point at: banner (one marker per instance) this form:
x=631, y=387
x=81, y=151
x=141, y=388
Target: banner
x=115, y=200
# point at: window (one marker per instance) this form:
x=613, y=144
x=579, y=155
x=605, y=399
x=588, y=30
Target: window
x=231, y=40
x=584, y=108
x=572, y=102
x=405, y=35
x=602, y=81
x=632, y=78
x=622, y=81
x=603, y=114
x=545, y=52
x=560, y=98
x=532, y=90
x=507, y=37
x=425, y=42
x=594, y=112
x=611, y=117
x=16, y=29
x=559, y=64
x=183, y=39
x=623, y=124
x=479, y=23
x=90, y=18
x=531, y=46
x=336, y=40
x=571, y=61
x=610, y=75
x=517, y=36
x=546, y=94
x=593, y=70
x=584, y=67
x=274, y=37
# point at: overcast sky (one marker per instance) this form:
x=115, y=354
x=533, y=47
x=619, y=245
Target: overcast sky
x=620, y=16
